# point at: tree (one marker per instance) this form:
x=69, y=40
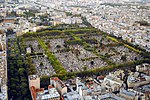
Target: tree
x=68, y=13
x=85, y=68
x=45, y=81
x=124, y=58
x=41, y=64
x=14, y=92
x=21, y=71
x=39, y=46
x=9, y=31
x=58, y=46
x=13, y=13
x=92, y=62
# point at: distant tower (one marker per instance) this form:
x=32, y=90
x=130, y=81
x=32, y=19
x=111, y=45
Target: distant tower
x=77, y=81
x=80, y=91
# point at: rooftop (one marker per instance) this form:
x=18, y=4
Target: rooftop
x=110, y=96
x=42, y=94
x=33, y=77
x=128, y=93
x=58, y=81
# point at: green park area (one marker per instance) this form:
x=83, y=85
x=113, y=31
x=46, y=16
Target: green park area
x=67, y=53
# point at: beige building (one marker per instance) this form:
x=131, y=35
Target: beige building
x=135, y=80
x=59, y=85
x=113, y=81
x=38, y=93
x=145, y=68
x=131, y=94
x=34, y=81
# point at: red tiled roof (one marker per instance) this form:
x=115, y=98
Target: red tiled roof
x=100, y=77
x=50, y=86
x=33, y=92
x=90, y=83
x=40, y=90
x=55, y=78
x=142, y=79
x=61, y=98
x=58, y=80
